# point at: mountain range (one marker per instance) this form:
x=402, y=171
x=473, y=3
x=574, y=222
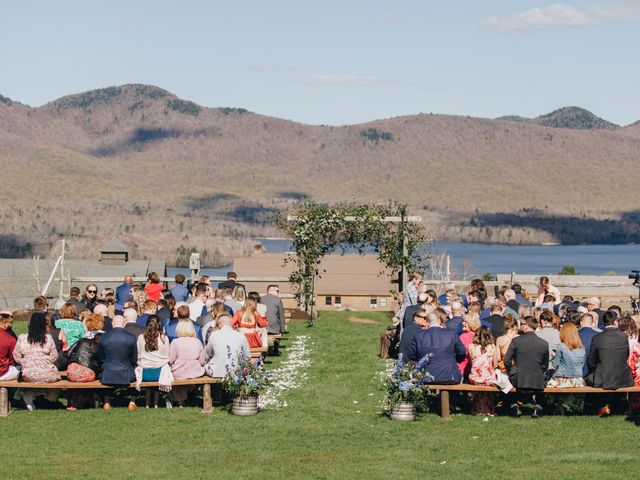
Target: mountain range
x=167, y=175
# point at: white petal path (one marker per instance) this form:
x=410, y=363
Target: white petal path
x=291, y=374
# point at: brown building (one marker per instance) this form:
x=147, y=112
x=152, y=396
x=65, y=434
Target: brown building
x=357, y=281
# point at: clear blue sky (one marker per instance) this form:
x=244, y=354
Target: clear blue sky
x=333, y=61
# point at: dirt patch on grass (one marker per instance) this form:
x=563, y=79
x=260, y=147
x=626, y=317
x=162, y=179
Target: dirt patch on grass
x=366, y=321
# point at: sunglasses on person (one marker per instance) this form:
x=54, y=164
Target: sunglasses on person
x=421, y=316
x=92, y=291
x=4, y=316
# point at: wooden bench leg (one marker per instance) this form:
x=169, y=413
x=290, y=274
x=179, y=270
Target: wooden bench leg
x=5, y=405
x=445, y=412
x=207, y=402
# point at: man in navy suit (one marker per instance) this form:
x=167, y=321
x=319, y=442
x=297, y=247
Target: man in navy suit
x=123, y=293
x=586, y=333
x=118, y=355
x=444, y=349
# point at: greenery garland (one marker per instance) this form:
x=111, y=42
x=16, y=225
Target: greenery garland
x=319, y=229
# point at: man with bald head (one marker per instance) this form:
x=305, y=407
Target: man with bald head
x=593, y=305
x=410, y=311
x=225, y=347
x=123, y=293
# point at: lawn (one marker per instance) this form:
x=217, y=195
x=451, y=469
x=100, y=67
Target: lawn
x=331, y=428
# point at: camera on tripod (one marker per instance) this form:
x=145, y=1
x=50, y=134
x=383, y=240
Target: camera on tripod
x=635, y=276
x=635, y=302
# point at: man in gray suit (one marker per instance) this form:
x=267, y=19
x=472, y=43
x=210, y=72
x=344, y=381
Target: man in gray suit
x=275, y=310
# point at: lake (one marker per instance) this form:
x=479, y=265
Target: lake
x=527, y=259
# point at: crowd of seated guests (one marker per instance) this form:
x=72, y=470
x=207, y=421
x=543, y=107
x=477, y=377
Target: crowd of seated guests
x=135, y=334
x=559, y=342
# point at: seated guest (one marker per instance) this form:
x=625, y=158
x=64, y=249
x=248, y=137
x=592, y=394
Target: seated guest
x=457, y=311
x=470, y=325
x=630, y=329
x=179, y=291
x=548, y=332
x=260, y=307
x=546, y=288
x=634, y=365
x=411, y=310
x=225, y=348
x=444, y=349
x=83, y=363
x=8, y=370
x=568, y=362
x=165, y=308
x=520, y=297
x=182, y=312
x=408, y=334
x=60, y=341
x=131, y=325
x=496, y=321
x=153, y=355
x=483, y=357
x=149, y=308
x=511, y=331
x=186, y=358
x=607, y=361
x=527, y=360
x=211, y=325
x=247, y=320
x=220, y=295
x=593, y=305
x=36, y=353
x=103, y=309
x=197, y=307
x=117, y=354
x=154, y=287
x=73, y=329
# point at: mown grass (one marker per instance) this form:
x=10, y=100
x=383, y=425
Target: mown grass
x=323, y=433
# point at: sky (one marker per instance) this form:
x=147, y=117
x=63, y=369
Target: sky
x=333, y=61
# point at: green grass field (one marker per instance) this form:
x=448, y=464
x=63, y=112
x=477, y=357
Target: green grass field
x=323, y=433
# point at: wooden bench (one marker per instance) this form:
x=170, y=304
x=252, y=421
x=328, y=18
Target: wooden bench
x=443, y=391
x=5, y=405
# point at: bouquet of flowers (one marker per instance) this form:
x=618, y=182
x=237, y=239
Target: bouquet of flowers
x=246, y=378
x=407, y=381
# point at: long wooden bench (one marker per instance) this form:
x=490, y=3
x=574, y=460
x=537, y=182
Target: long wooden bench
x=443, y=391
x=5, y=405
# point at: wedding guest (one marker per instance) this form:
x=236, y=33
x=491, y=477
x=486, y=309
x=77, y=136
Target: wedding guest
x=247, y=320
x=511, y=331
x=225, y=348
x=73, y=329
x=568, y=362
x=153, y=355
x=470, y=325
x=186, y=358
x=8, y=370
x=154, y=287
x=484, y=357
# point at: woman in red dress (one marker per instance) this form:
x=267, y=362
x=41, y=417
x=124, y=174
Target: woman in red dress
x=247, y=320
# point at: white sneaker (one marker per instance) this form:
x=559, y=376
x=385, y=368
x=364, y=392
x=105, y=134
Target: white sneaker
x=169, y=404
x=31, y=408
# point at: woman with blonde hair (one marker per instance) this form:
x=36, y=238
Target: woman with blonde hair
x=186, y=358
x=470, y=324
x=247, y=320
x=239, y=294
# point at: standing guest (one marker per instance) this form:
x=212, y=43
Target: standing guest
x=444, y=349
x=457, y=311
x=73, y=329
x=275, y=310
x=149, y=308
x=179, y=291
x=410, y=294
x=470, y=325
x=103, y=309
x=230, y=282
x=154, y=287
x=607, y=360
x=153, y=355
x=546, y=288
x=83, y=363
x=247, y=320
x=520, y=296
x=527, y=360
x=36, y=353
x=186, y=358
x=117, y=354
x=548, y=332
x=432, y=297
x=88, y=301
x=225, y=348
x=503, y=342
x=131, y=324
x=123, y=293
x=484, y=357
x=8, y=370
x=568, y=362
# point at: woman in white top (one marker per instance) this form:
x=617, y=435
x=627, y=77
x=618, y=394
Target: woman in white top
x=153, y=354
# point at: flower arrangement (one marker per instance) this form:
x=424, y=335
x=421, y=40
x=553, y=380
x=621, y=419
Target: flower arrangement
x=406, y=382
x=246, y=378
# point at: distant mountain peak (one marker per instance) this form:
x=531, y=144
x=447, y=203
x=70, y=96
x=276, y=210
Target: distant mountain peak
x=6, y=100
x=106, y=95
x=574, y=117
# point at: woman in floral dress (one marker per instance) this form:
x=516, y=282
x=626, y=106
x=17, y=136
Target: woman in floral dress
x=484, y=357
